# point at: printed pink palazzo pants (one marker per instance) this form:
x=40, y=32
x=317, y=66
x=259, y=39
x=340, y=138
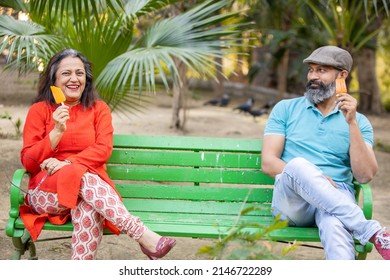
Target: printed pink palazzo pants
x=97, y=201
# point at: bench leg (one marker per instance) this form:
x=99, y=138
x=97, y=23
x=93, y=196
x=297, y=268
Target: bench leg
x=362, y=251
x=23, y=244
x=361, y=256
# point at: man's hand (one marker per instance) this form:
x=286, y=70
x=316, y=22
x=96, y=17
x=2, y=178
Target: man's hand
x=348, y=105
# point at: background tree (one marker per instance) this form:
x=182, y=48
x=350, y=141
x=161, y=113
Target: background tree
x=350, y=29
x=384, y=71
x=286, y=32
x=289, y=30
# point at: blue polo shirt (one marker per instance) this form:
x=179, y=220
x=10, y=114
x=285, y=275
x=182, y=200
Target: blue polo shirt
x=324, y=141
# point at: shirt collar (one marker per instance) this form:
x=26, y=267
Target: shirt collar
x=310, y=104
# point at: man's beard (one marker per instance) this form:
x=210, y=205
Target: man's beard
x=323, y=92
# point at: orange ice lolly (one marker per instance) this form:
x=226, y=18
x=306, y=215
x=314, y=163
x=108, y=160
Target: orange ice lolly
x=341, y=87
x=59, y=96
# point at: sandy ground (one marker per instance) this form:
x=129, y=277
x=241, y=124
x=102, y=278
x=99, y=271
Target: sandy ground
x=15, y=96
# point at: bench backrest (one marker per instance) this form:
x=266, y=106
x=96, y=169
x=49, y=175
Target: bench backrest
x=189, y=168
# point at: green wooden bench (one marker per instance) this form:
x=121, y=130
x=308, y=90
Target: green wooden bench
x=186, y=187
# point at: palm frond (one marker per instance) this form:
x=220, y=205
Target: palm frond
x=190, y=37
x=26, y=43
x=321, y=14
x=100, y=43
x=53, y=11
x=124, y=100
x=17, y=5
x=135, y=9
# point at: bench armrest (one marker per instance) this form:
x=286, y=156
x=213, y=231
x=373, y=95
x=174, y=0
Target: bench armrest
x=364, y=191
x=16, y=199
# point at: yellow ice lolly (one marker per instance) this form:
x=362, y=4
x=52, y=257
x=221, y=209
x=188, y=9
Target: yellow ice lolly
x=59, y=96
x=341, y=87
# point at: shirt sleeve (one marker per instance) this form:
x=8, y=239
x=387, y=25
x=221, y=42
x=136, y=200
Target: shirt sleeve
x=36, y=142
x=366, y=129
x=276, y=123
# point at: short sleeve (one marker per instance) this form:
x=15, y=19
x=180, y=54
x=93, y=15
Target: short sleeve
x=276, y=123
x=366, y=129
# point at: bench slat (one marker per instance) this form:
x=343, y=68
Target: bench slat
x=175, y=158
x=291, y=234
x=204, y=219
x=214, y=193
x=203, y=230
x=180, y=174
x=196, y=207
x=212, y=220
x=187, y=143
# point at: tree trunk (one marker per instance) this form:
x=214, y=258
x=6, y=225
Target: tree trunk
x=282, y=75
x=218, y=84
x=180, y=89
x=239, y=75
x=370, y=97
x=262, y=56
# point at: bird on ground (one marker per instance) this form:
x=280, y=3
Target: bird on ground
x=258, y=112
x=222, y=102
x=269, y=104
x=246, y=106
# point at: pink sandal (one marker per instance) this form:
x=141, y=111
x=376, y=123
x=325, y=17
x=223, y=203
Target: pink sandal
x=164, y=245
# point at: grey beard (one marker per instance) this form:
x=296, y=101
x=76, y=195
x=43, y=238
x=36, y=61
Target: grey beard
x=320, y=94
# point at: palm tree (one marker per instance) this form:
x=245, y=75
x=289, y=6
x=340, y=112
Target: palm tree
x=126, y=59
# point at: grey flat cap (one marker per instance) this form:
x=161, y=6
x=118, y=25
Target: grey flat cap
x=331, y=56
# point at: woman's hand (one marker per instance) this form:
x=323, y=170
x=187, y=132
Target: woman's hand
x=52, y=165
x=60, y=116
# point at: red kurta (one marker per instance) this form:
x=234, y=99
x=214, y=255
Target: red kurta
x=87, y=143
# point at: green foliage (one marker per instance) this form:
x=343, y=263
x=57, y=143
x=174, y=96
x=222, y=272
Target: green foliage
x=303, y=25
x=249, y=241
x=383, y=62
x=16, y=124
x=26, y=42
x=285, y=25
x=386, y=104
x=344, y=22
x=126, y=56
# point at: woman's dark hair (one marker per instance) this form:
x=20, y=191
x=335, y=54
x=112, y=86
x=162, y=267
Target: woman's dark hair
x=48, y=78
